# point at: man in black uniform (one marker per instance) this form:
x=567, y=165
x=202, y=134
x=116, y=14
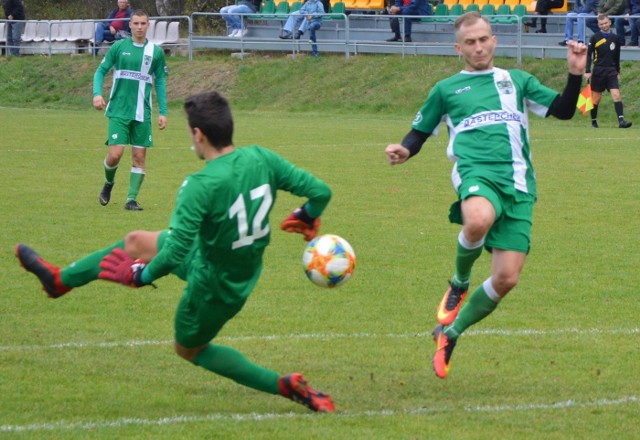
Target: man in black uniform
x=604, y=50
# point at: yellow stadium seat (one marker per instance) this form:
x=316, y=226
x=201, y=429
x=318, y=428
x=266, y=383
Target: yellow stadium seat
x=450, y=3
x=480, y=3
x=496, y=3
x=512, y=3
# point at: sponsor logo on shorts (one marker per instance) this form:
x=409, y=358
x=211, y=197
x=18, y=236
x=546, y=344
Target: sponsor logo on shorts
x=474, y=188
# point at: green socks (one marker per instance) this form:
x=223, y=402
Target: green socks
x=232, y=364
x=110, y=173
x=466, y=255
x=482, y=302
x=135, y=182
x=86, y=269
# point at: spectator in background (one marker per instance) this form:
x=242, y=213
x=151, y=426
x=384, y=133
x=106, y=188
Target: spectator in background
x=14, y=12
x=234, y=22
x=604, y=51
x=631, y=17
x=308, y=16
x=542, y=8
x=580, y=13
x=113, y=29
x=407, y=7
x=611, y=8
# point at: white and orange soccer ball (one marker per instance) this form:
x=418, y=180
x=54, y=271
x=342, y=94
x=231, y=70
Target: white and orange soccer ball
x=328, y=260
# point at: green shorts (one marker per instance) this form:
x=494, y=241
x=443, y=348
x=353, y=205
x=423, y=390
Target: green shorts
x=200, y=314
x=129, y=132
x=514, y=214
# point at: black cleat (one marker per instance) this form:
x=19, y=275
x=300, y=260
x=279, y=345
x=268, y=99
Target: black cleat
x=594, y=124
x=132, y=205
x=105, y=194
x=47, y=273
x=625, y=124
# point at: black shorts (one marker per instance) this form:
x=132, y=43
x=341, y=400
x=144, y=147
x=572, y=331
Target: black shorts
x=604, y=78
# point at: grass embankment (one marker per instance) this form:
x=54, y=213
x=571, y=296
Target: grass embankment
x=363, y=84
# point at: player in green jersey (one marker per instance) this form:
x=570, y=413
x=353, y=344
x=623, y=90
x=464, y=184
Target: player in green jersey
x=486, y=112
x=137, y=63
x=217, y=235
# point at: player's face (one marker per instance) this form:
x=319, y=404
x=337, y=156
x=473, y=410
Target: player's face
x=476, y=45
x=604, y=25
x=139, y=25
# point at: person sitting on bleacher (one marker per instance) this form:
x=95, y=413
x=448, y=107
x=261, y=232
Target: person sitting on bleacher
x=234, y=21
x=407, y=7
x=585, y=12
x=111, y=30
x=543, y=7
x=632, y=18
x=308, y=16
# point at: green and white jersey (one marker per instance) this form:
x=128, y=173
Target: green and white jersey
x=135, y=67
x=223, y=210
x=487, y=117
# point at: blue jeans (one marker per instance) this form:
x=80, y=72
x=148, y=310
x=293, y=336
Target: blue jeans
x=313, y=27
x=580, y=18
x=295, y=20
x=633, y=22
x=103, y=33
x=14, y=33
x=234, y=22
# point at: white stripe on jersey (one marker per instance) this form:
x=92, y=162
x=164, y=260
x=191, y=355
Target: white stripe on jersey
x=147, y=61
x=510, y=105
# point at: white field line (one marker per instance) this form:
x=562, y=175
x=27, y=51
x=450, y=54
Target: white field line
x=260, y=417
x=329, y=336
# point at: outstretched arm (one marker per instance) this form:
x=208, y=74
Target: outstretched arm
x=564, y=106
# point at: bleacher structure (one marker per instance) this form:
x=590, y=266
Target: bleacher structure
x=49, y=37
x=353, y=27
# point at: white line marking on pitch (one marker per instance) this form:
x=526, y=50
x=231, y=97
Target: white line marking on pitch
x=258, y=417
x=326, y=336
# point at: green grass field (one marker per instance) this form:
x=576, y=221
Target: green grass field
x=557, y=360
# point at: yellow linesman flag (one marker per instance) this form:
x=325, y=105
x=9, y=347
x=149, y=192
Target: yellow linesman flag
x=585, y=103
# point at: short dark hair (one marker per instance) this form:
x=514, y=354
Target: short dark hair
x=140, y=13
x=211, y=113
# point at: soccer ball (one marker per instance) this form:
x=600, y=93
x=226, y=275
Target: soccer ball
x=328, y=260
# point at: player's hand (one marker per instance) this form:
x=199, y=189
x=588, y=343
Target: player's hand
x=98, y=102
x=162, y=122
x=576, y=57
x=121, y=268
x=301, y=222
x=396, y=154
x=587, y=76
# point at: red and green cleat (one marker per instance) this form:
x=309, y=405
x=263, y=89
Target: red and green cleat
x=444, y=349
x=295, y=387
x=47, y=273
x=450, y=305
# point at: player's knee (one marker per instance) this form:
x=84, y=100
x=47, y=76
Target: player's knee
x=133, y=242
x=505, y=282
x=188, y=354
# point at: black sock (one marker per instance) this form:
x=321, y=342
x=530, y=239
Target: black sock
x=618, y=107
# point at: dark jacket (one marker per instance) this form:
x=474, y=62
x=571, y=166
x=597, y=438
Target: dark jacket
x=612, y=7
x=14, y=8
x=112, y=14
x=417, y=7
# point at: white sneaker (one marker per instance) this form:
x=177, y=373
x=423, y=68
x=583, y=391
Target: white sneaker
x=234, y=33
x=243, y=32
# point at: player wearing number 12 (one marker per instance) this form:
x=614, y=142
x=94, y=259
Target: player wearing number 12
x=216, y=238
